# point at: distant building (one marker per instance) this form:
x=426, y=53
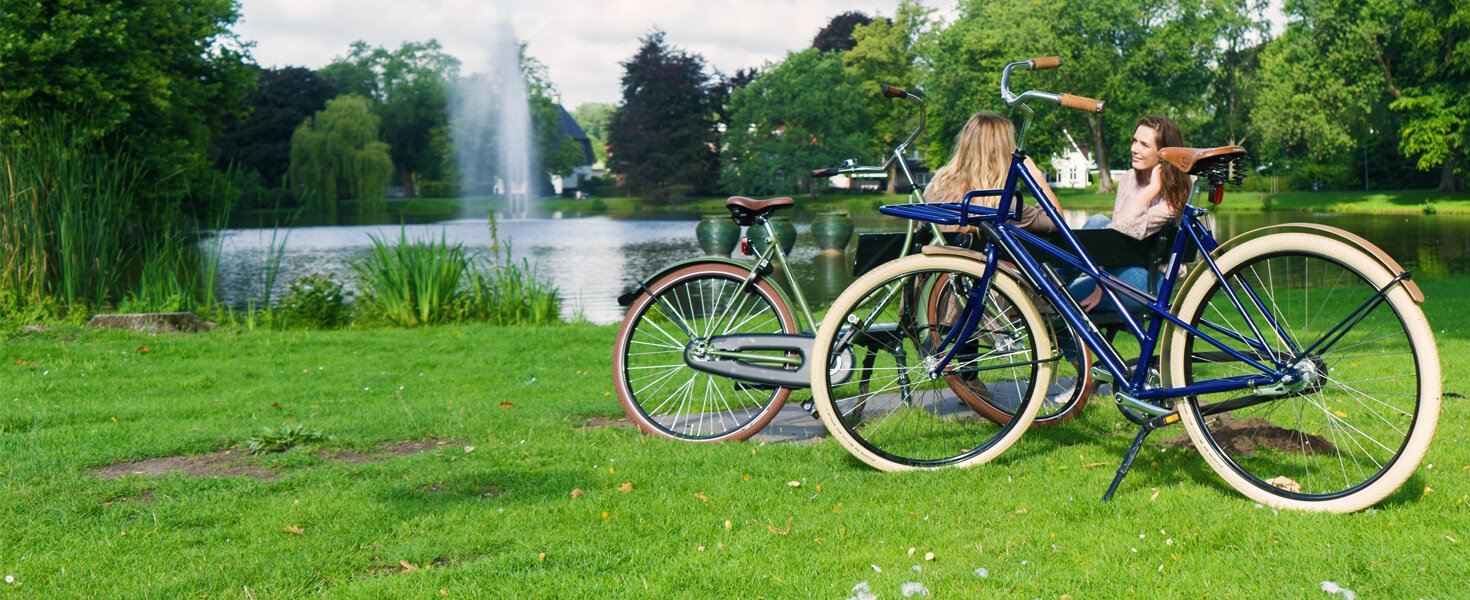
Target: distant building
x=1072, y=166
x=873, y=182
x=574, y=185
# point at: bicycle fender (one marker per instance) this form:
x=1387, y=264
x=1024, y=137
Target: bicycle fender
x=976, y=255
x=627, y=298
x=1347, y=237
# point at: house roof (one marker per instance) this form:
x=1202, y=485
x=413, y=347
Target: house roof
x=571, y=129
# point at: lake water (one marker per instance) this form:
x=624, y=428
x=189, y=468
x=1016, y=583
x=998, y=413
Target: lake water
x=594, y=259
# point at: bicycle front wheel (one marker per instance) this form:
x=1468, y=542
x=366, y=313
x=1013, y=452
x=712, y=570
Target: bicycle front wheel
x=658, y=389
x=893, y=410
x=1359, y=416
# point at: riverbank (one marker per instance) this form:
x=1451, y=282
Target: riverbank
x=436, y=472
x=423, y=210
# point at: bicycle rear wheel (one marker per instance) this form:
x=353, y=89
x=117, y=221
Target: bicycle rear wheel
x=1361, y=418
x=659, y=391
x=892, y=412
x=1068, y=389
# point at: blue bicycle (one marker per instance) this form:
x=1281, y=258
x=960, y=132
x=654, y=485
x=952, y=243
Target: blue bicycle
x=1296, y=356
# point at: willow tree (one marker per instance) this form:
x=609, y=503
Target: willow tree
x=336, y=154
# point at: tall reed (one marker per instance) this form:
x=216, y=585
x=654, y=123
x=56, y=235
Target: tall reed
x=67, y=204
x=424, y=282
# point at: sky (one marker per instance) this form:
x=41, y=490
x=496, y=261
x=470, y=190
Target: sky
x=581, y=42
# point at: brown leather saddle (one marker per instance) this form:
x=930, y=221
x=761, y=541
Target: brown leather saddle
x=746, y=211
x=1219, y=166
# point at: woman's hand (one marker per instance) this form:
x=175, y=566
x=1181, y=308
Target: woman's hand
x=1155, y=185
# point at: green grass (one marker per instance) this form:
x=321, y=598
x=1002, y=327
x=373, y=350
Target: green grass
x=502, y=520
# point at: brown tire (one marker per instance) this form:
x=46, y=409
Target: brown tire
x=662, y=394
x=1069, y=389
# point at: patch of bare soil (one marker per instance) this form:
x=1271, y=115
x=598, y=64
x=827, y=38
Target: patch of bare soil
x=599, y=422
x=225, y=463
x=144, y=497
x=404, y=566
x=386, y=451
x=1245, y=437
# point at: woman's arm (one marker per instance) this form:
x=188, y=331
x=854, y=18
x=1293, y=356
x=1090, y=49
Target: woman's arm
x=1045, y=191
x=1152, y=190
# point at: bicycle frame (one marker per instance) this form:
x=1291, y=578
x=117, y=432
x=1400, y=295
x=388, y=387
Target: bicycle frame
x=773, y=255
x=1006, y=237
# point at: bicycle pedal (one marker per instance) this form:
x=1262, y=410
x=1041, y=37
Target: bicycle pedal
x=810, y=406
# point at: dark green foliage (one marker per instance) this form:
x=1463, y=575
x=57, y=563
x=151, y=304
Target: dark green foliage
x=409, y=89
x=315, y=301
x=663, y=133
x=593, y=118
x=281, y=100
x=161, y=77
x=796, y=116
x=836, y=36
x=336, y=154
x=1375, y=73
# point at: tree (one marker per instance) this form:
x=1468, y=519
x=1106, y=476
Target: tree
x=793, y=118
x=593, y=118
x=1346, y=74
x=409, y=87
x=837, y=35
x=663, y=134
x=162, y=77
x=336, y=153
x=1430, y=85
x=889, y=52
x=1139, y=56
x=281, y=100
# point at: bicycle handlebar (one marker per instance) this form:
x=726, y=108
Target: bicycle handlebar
x=1048, y=62
x=889, y=91
x=1081, y=103
x=1065, y=100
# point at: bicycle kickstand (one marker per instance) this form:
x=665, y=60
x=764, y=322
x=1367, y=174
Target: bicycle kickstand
x=1143, y=430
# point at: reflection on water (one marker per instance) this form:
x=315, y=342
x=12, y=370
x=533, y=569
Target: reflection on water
x=593, y=260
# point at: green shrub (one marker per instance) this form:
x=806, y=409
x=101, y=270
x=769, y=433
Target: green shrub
x=283, y=439
x=428, y=282
x=668, y=194
x=315, y=301
x=439, y=189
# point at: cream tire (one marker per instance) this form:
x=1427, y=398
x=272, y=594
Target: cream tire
x=1418, y=334
x=832, y=325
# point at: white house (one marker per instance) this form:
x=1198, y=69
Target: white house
x=1071, y=166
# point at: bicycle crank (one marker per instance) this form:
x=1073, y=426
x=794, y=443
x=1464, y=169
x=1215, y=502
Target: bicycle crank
x=771, y=359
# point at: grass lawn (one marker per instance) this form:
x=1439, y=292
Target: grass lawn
x=523, y=499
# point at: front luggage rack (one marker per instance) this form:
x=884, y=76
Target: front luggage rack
x=949, y=213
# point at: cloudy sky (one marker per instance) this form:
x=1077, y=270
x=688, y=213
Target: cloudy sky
x=581, y=42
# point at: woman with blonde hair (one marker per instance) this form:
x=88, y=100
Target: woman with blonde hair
x=981, y=160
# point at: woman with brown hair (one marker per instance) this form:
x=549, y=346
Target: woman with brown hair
x=981, y=160
x=1151, y=196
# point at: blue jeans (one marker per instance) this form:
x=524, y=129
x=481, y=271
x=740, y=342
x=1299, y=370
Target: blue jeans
x=1136, y=276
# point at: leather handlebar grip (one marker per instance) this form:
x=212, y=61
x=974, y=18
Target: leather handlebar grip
x=821, y=173
x=1082, y=104
x=1048, y=62
x=893, y=92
